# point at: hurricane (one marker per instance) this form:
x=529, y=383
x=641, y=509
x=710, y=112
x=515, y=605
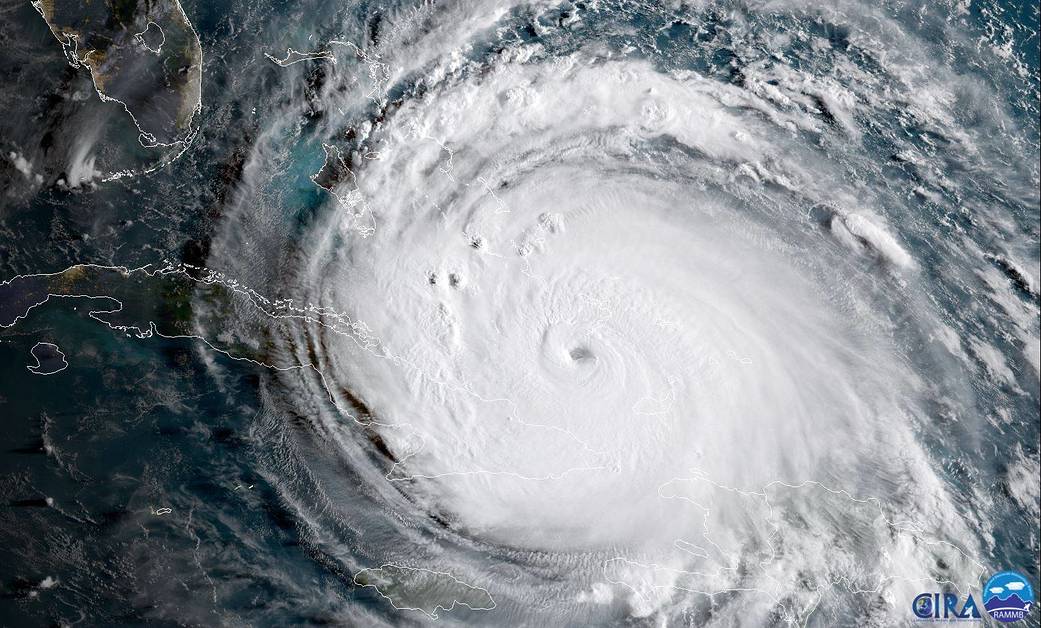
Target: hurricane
x=597, y=313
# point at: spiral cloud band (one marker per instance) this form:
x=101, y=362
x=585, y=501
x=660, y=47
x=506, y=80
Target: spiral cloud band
x=607, y=334
x=579, y=329
x=503, y=313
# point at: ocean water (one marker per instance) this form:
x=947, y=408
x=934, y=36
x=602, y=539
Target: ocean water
x=491, y=313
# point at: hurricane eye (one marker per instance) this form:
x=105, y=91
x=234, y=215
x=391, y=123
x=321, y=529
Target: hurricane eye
x=579, y=354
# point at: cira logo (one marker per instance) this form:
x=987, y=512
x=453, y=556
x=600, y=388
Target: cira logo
x=944, y=606
x=1008, y=596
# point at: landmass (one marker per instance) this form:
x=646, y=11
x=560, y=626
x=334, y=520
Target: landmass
x=430, y=592
x=49, y=359
x=144, y=55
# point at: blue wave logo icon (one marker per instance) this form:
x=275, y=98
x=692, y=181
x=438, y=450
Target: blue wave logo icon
x=1008, y=596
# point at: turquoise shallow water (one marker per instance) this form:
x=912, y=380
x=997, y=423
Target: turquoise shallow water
x=223, y=448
